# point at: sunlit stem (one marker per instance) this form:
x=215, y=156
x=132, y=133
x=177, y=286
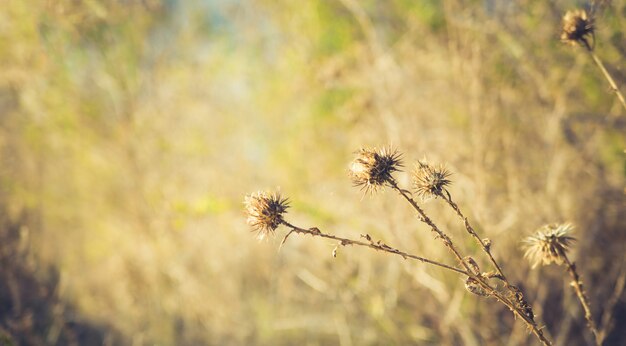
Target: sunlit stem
x=606, y=73
x=577, y=284
x=370, y=244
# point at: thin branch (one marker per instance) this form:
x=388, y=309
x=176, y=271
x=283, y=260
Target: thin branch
x=425, y=219
x=606, y=325
x=606, y=73
x=492, y=292
x=577, y=284
x=448, y=198
x=285, y=239
x=517, y=310
x=371, y=244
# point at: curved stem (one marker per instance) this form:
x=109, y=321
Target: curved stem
x=425, y=219
x=373, y=245
x=479, y=278
x=577, y=284
x=606, y=73
x=448, y=198
x=529, y=321
x=607, y=316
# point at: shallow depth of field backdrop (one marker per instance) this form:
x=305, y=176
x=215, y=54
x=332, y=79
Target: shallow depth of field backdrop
x=130, y=132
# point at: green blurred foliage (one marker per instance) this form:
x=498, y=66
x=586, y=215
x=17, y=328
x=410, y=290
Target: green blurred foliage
x=130, y=131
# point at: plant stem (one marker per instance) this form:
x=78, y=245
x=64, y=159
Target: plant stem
x=530, y=322
x=582, y=297
x=425, y=219
x=606, y=73
x=476, y=276
x=448, y=198
x=605, y=324
x=374, y=245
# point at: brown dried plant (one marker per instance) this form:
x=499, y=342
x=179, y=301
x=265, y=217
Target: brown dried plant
x=372, y=170
x=578, y=28
x=265, y=212
x=430, y=181
x=550, y=244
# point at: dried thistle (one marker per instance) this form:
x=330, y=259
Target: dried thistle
x=265, y=212
x=577, y=27
x=429, y=180
x=373, y=168
x=549, y=244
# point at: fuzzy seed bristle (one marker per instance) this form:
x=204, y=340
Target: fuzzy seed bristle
x=265, y=212
x=373, y=168
x=578, y=26
x=549, y=245
x=430, y=181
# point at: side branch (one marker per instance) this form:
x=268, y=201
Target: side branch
x=582, y=297
x=448, y=198
x=425, y=219
x=379, y=246
x=606, y=74
x=477, y=277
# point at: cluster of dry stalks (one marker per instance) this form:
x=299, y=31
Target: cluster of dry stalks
x=373, y=170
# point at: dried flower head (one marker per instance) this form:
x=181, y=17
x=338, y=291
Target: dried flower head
x=577, y=27
x=372, y=168
x=549, y=244
x=265, y=212
x=429, y=180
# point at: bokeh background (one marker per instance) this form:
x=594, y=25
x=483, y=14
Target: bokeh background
x=130, y=132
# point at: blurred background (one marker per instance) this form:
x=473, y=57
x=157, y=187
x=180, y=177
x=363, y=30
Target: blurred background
x=131, y=130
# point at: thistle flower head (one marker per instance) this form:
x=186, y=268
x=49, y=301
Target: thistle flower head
x=429, y=180
x=549, y=244
x=577, y=26
x=265, y=212
x=372, y=168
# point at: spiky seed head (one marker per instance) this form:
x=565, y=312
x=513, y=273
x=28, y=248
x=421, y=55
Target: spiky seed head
x=265, y=212
x=373, y=168
x=550, y=244
x=429, y=180
x=577, y=27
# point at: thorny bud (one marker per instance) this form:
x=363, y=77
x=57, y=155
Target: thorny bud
x=528, y=310
x=492, y=275
x=517, y=297
x=373, y=168
x=265, y=212
x=549, y=244
x=487, y=243
x=315, y=230
x=472, y=286
x=577, y=27
x=472, y=264
x=429, y=180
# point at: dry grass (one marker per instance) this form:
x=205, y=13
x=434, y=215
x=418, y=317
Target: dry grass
x=129, y=131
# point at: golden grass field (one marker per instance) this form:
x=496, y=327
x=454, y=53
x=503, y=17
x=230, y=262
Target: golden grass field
x=131, y=132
